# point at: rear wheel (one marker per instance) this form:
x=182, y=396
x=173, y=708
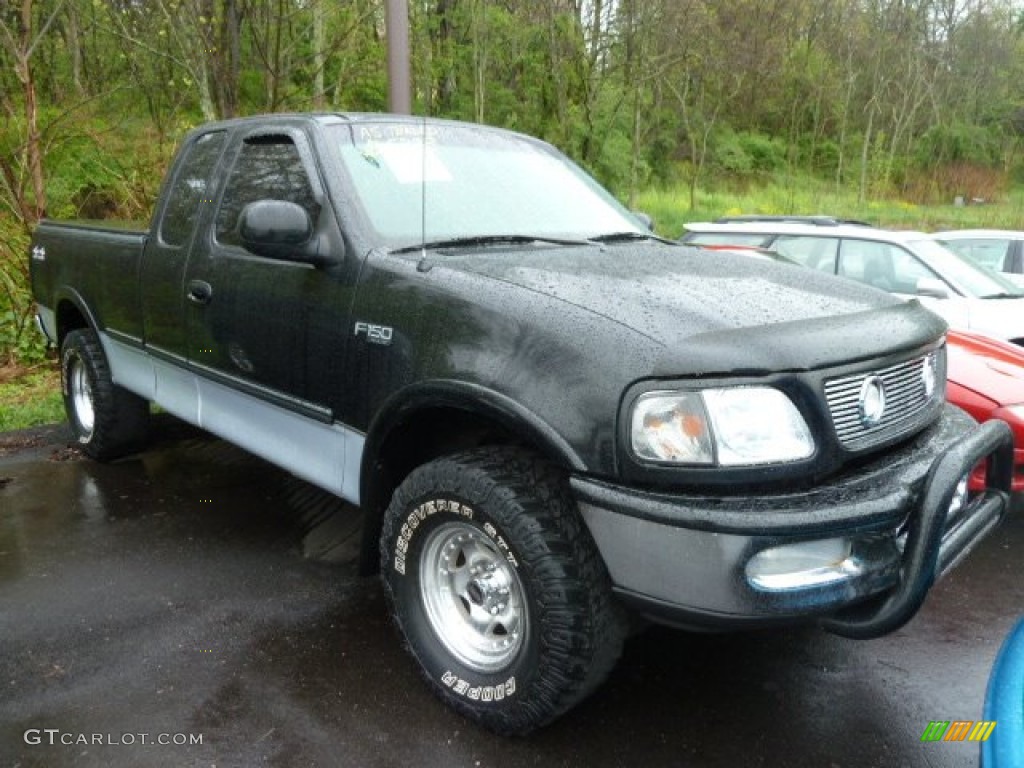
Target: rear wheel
x=498, y=588
x=107, y=421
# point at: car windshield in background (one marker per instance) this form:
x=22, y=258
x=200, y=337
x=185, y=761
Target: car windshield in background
x=973, y=280
x=474, y=182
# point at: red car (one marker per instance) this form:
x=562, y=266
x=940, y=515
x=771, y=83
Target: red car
x=985, y=377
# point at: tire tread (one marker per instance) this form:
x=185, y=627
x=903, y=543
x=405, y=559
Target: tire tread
x=583, y=627
x=121, y=417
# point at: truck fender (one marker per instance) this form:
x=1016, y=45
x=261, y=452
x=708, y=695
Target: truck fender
x=382, y=470
x=65, y=293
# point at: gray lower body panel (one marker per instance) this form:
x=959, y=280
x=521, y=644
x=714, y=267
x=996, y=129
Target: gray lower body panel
x=327, y=455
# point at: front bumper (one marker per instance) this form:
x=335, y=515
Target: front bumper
x=683, y=559
x=1017, y=482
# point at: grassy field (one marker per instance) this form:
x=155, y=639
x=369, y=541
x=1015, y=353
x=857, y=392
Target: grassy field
x=32, y=396
x=29, y=396
x=670, y=207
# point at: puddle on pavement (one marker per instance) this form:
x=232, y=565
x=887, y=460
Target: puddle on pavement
x=204, y=486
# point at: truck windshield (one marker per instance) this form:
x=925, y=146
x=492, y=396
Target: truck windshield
x=474, y=182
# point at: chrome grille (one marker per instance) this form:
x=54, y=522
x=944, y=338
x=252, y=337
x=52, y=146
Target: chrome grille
x=906, y=403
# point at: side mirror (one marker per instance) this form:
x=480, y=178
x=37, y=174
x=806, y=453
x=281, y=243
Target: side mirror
x=276, y=229
x=933, y=287
x=644, y=219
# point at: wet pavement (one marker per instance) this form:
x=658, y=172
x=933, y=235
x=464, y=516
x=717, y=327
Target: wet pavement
x=193, y=590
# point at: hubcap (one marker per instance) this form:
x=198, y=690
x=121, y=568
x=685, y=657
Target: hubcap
x=81, y=397
x=473, y=597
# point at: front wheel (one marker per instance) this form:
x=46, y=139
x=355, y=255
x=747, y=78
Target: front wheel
x=107, y=420
x=498, y=588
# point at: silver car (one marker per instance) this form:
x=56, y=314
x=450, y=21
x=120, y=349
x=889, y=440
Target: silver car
x=909, y=264
x=1001, y=250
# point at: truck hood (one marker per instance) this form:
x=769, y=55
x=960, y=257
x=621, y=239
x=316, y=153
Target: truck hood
x=716, y=312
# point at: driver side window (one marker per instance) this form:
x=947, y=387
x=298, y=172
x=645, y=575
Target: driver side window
x=267, y=168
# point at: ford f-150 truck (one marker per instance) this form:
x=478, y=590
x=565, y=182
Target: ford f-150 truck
x=549, y=416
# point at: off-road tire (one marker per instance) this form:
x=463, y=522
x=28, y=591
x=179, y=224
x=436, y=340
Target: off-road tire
x=512, y=512
x=106, y=420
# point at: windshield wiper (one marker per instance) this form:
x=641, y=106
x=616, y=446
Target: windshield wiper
x=625, y=237
x=473, y=240
x=1004, y=295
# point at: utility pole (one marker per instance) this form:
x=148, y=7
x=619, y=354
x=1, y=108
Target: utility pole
x=399, y=80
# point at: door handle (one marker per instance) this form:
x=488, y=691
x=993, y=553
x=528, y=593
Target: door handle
x=199, y=292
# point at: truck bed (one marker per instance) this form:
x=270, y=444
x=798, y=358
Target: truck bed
x=100, y=258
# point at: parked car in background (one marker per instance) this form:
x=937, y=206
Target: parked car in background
x=909, y=264
x=984, y=376
x=1001, y=250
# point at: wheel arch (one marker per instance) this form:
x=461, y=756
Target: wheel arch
x=71, y=313
x=429, y=420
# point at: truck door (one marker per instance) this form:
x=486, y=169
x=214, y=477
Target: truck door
x=257, y=324
x=187, y=198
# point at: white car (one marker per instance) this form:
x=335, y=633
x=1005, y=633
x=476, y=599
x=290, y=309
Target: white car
x=999, y=249
x=909, y=264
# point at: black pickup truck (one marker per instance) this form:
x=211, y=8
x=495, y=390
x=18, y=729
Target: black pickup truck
x=550, y=417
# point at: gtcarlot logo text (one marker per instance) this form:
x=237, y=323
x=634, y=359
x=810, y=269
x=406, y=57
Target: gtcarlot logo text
x=55, y=737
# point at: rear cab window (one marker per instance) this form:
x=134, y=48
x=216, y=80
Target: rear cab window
x=191, y=188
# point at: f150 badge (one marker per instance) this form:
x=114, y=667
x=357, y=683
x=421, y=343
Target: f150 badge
x=375, y=334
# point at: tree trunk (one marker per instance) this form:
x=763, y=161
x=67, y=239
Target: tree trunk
x=319, y=57
x=865, y=156
x=33, y=140
x=229, y=58
x=480, y=51
x=73, y=39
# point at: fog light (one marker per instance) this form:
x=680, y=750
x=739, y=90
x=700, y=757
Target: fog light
x=808, y=564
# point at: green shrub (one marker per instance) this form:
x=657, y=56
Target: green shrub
x=745, y=152
x=766, y=153
x=959, y=143
x=20, y=341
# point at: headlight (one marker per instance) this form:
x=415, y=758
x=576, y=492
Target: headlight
x=731, y=427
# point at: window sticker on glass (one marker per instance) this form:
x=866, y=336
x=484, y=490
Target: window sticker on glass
x=407, y=162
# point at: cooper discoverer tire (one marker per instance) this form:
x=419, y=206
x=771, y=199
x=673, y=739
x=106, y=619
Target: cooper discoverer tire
x=498, y=588
x=107, y=420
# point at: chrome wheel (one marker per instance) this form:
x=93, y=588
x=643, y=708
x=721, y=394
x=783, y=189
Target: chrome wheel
x=80, y=390
x=473, y=597
x=107, y=421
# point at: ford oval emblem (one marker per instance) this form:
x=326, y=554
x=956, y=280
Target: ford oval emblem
x=871, y=406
